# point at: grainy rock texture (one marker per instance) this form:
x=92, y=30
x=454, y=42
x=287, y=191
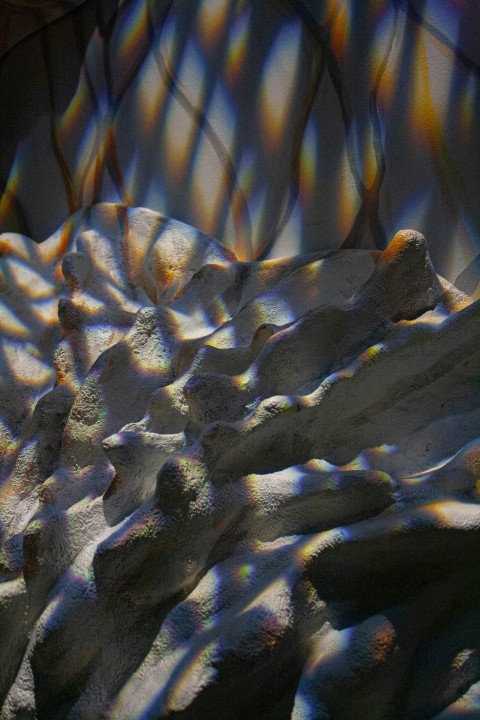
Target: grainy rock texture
x=235, y=489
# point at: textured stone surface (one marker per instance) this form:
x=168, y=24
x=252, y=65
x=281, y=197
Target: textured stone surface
x=235, y=489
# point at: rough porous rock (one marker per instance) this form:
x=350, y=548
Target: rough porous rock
x=235, y=489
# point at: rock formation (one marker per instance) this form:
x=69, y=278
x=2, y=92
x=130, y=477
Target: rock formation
x=235, y=489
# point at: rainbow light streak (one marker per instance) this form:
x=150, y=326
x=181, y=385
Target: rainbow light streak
x=358, y=463
x=131, y=176
x=312, y=279
x=372, y=353
x=17, y=355
x=193, y=668
x=320, y=465
x=383, y=450
x=244, y=206
x=275, y=590
x=420, y=476
x=213, y=174
x=200, y=321
x=279, y=84
x=182, y=116
x=238, y=45
x=339, y=19
x=252, y=491
x=309, y=157
x=424, y=117
x=253, y=209
x=77, y=108
x=244, y=575
x=11, y=325
x=207, y=185
x=348, y=199
x=15, y=453
x=467, y=110
x=9, y=198
x=389, y=80
x=444, y=511
x=212, y=20
x=304, y=709
x=312, y=545
x=16, y=245
x=151, y=96
x=213, y=582
x=382, y=71
x=331, y=645
x=91, y=150
x=133, y=34
x=28, y=280
x=369, y=160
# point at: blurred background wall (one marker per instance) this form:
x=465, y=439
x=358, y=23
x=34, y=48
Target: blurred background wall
x=278, y=126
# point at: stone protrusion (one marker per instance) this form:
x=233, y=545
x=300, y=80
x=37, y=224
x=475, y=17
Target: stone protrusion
x=247, y=493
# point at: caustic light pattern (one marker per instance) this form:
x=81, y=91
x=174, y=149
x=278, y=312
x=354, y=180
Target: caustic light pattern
x=235, y=489
x=277, y=127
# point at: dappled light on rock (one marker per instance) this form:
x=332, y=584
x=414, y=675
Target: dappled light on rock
x=235, y=489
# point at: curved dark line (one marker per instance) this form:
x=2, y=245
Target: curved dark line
x=40, y=28
x=69, y=185
x=296, y=161
x=109, y=158
x=369, y=210
x=380, y=236
x=105, y=30
x=322, y=36
x=81, y=177
x=199, y=116
x=373, y=104
x=20, y=213
x=469, y=65
x=111, y=163
x=100, y=153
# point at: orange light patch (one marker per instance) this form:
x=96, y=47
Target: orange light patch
x=369, y=162
x=425, y=122
x=135, y=33
x=7, y=201
x=183, y=115
x=340, y=32
x=74, y=110
x=237, y=48
x=152, y=93
x=308, y=163
x=348, y=200
x=212, y=21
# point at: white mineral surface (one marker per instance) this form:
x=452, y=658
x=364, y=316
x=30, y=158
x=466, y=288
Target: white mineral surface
x=235, y=490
